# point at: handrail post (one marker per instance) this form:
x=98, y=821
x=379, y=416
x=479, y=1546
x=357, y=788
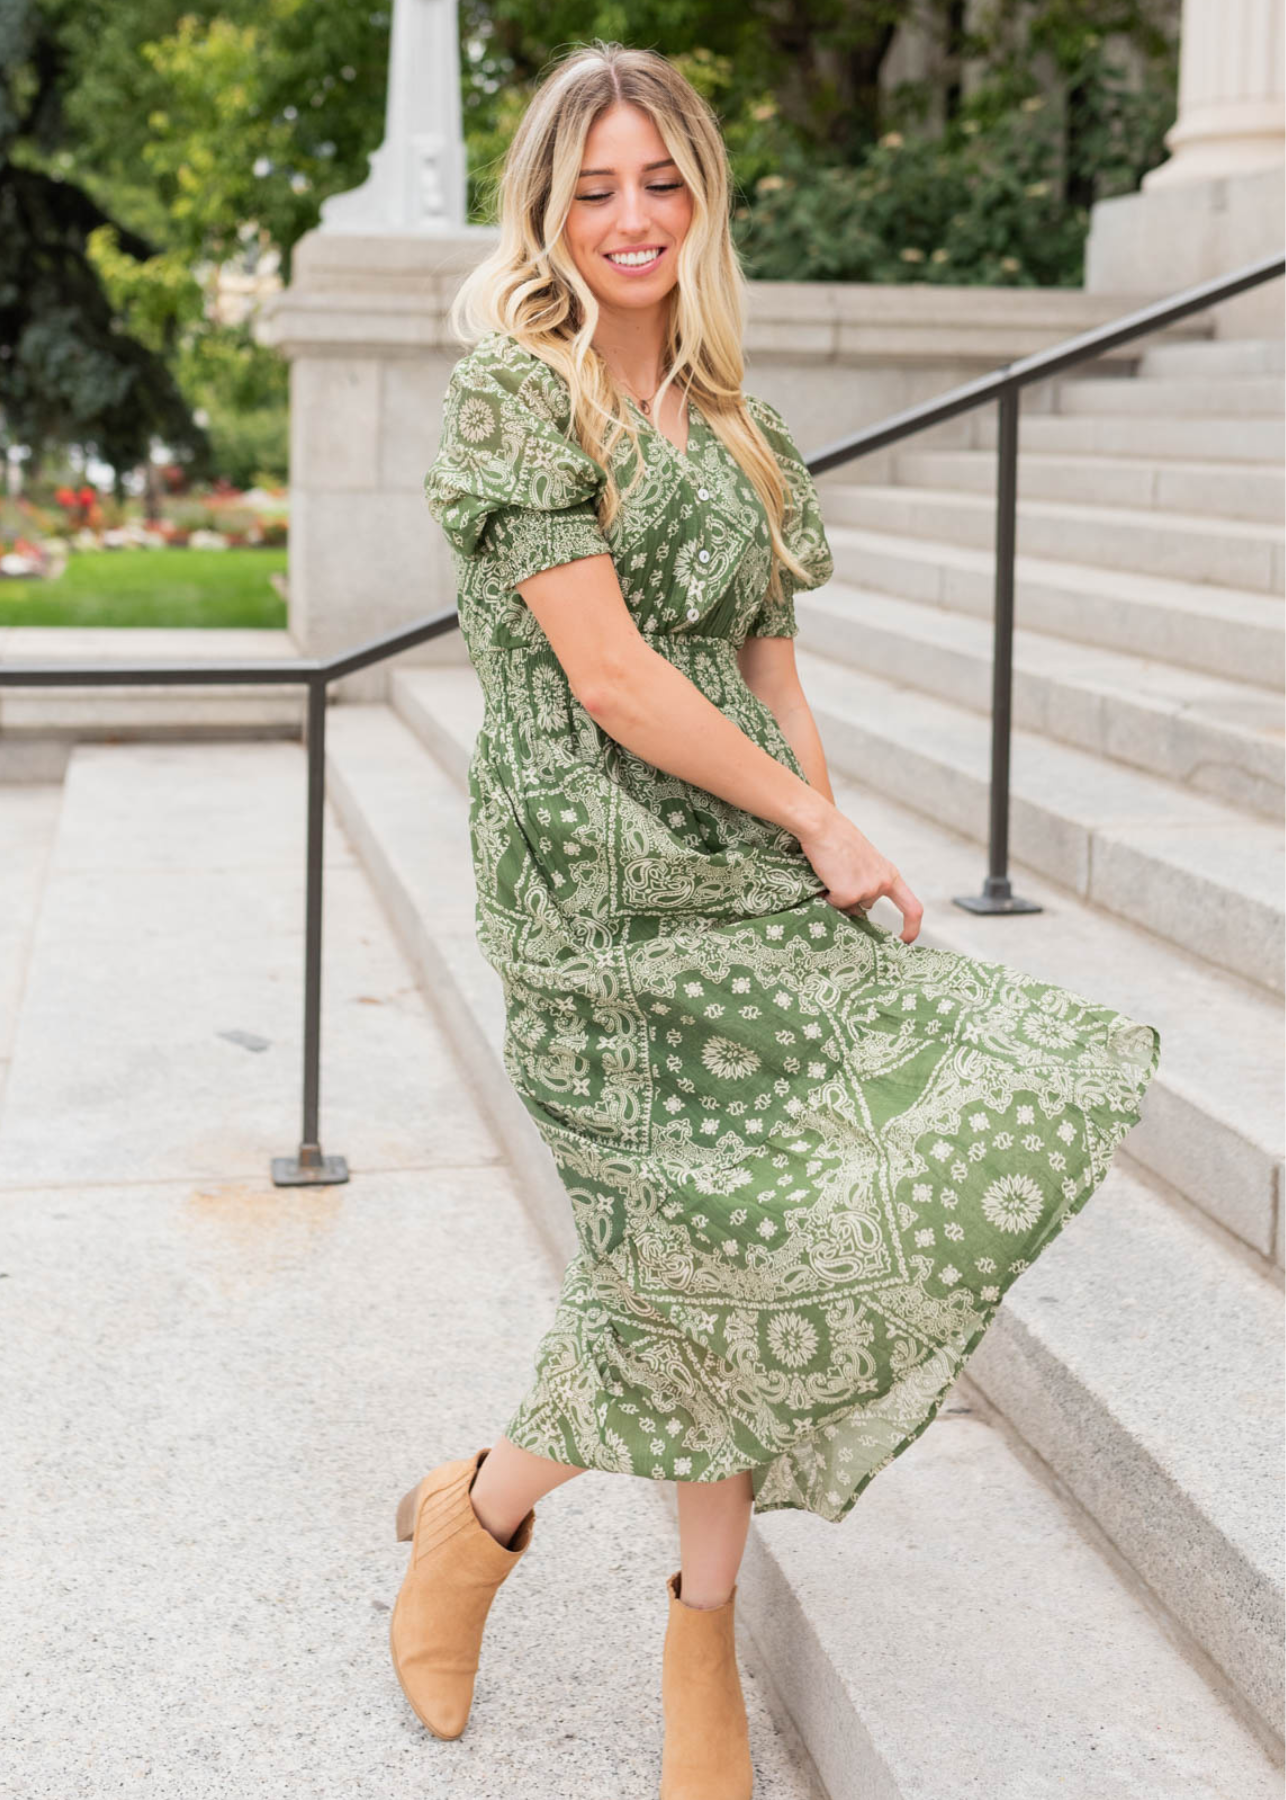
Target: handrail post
x=310, y=1168
x=997, y=896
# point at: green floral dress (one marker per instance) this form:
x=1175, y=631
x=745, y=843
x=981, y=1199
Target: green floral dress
x=805, y=1160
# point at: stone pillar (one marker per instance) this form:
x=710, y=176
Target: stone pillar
x=363, y=323
x=1217, y=203
x=418, y=179
x=1231, y=118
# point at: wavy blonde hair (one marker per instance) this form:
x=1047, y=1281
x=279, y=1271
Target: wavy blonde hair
x=530, y=288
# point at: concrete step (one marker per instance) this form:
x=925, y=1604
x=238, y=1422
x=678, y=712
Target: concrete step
x=39, y=726
x=1216, y=358
x=1254, y=440
x=1172, y=861
x=1213, y=1127
x=1220, y=631
x=1230, y=552
x=1227, y=491
x=1219, y=737
x=965, y=1564
x=1142, y=1360
x=1176, y=396
x=28, y=823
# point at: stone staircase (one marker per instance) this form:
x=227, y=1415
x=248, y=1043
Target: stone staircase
x=1072, y=1584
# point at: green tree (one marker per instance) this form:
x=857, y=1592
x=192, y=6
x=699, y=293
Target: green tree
x=67, y=373
x=839, y=176
x=819, y=60
x=189, y=134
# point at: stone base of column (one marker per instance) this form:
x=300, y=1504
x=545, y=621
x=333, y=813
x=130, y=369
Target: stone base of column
x=1169, y=237
x=364, y=326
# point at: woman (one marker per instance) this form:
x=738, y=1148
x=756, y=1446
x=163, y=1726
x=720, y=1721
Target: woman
x=805, y=1158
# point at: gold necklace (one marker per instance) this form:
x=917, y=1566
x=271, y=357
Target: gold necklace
x=644, y=405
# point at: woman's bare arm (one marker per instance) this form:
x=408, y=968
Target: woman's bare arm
x=768, y=670
x=647, y=704
x=650, y=706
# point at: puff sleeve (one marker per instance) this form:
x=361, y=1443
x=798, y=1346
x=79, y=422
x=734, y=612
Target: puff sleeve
x=802, y=527
x=507, y=484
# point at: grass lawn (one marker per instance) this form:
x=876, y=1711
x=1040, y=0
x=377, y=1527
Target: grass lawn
x=152, y=587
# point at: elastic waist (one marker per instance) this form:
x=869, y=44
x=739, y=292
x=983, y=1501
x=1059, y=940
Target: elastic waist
x=667, y=643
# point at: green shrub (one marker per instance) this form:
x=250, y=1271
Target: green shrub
x=250, y=448
x=999, y=197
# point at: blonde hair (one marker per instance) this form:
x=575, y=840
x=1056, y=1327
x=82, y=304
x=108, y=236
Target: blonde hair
x=529, y=287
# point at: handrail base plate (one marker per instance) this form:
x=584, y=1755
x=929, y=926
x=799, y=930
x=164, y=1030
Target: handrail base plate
x=996, y=903
x=308, y=1171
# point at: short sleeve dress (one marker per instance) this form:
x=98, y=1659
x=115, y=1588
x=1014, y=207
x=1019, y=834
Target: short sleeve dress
x=805, y=1160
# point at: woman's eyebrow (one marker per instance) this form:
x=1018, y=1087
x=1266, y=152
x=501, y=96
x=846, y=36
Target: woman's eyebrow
x=664, y=163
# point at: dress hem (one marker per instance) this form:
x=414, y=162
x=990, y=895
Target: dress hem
x=971, y=1344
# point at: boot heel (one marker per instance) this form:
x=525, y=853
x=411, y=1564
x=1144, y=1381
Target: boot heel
x=406, y=1510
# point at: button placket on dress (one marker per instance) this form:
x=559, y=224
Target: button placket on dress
x=703, y=556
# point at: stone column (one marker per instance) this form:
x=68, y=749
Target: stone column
x=1231, y=117
x=363, y=323
x=364, y=326
x=417, y=178
x=1217, y=203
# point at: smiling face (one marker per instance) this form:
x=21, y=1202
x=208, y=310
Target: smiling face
x=631, y=212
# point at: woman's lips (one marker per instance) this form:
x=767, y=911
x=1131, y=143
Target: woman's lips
x=643, y=268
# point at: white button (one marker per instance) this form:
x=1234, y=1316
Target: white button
x=703, y=493
x=694, y=612
x=703, y=556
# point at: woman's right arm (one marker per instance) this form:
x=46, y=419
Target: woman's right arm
x=645, y=703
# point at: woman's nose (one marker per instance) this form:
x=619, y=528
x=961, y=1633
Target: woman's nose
x=633, y=209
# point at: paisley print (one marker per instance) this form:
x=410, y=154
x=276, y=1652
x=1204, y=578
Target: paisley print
x=805, y=1160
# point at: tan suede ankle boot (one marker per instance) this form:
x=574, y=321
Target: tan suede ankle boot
x=456, y=1566
x=707, y=1743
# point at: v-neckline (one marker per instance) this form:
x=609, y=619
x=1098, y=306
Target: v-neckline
x=693, y=413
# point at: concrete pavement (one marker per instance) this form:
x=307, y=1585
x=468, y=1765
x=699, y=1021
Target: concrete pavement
x=215, y=1391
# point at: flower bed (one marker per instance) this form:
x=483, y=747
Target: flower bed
x=37, y=539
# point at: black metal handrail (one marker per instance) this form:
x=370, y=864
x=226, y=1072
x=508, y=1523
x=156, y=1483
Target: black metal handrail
x=1004, y=386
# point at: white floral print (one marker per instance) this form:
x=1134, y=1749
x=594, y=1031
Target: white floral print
x=1013, y=1203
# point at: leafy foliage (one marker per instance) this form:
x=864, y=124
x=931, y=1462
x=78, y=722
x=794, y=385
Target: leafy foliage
x=243, y=391
x=260, y=111
x=820, y=59
x=966, y=206
x=67, y=373
x=143, y=143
